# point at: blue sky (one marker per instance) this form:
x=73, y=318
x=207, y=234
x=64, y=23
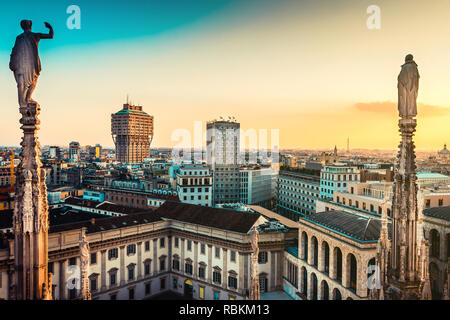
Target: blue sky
x=292, y=65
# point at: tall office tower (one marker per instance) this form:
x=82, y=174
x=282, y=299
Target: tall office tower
x=74, y=150
x=223, y=156
x=132, y=132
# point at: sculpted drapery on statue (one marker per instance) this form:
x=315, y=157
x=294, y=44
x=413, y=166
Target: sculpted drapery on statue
x=408, y=87
x=25, y=62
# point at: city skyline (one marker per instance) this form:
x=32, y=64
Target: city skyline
x=212, y=59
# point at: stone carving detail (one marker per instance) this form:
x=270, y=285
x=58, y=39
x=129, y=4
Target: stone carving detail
x=406, y=255
x=254, y=280
x=84, y=258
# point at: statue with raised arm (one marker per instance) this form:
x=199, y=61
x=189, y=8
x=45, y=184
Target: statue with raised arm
x=408, y=86
x=25, y=61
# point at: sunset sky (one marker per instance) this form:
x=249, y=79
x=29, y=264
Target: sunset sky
x=310, y=68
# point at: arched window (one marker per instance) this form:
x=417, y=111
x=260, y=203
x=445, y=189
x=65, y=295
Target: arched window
x=314, y=286
x=352, y=271
x=337, y=294
x=304, y=281
x=305, y=246
x=338, y=264
x=326, y=257
x=315, y=252
x=324, y=291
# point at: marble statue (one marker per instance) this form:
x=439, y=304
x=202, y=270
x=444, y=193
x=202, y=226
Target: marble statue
x=254, y=280
x=84, y=257
x=408, y=86
x=25, y=62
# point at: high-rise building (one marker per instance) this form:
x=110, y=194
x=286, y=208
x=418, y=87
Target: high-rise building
x=223, y=155
x=132, y=132
x=74, y=150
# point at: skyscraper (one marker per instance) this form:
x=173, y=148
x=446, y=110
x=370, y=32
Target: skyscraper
x=132, y=132
x=74, y=150
x=223, y=152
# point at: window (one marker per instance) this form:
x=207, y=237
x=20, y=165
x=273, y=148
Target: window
x=176, y=242
x=131, y=273
x=216, y=295
x=131, y=249
x=161, y=243
x=112, y=279
x=163, y=283
x=94, y=258
x=131, y=294
x=202, y=248
x=263, y=285
x=189, y=245
x=148, y=288
x=147, y=269
x=147, y=245
x=232, y=282
x=233, y=256
x=176, y=265
x=162, y=264
x=262, y=257
x=441, y=202
x=217, y=252
x=72, y=261
x=201, y=272
x=428, y=203
x=188, y=268
x=93, y=284
x=217, y=277
x=175, y=283
x=201, y=292
x=113, y=253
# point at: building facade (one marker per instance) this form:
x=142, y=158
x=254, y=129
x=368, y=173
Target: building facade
x=336, y=178
x=297, y=193
x=258, y=186
x=194, y=184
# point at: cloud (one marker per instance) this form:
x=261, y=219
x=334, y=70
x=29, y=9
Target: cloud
x=390, y=108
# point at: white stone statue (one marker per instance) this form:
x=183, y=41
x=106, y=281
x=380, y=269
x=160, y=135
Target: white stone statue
x=84, y=258
x=254, y=280
x=408, y=86
x=25, y=62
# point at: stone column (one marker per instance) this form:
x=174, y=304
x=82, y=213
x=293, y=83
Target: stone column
x=155, y=256
x=139, y=260
x=62, y=280
x=195, y=266
x=345, y=270
x=56, y=278
x=273, y=275
x=103, y=270
x=30, y=217
x=122, y=265
x=321, y=257
x=209, y=263
x=332, y=268
x=182, y=262
x=225, y=268
x=241, y=283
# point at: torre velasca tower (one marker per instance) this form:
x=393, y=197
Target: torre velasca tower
x=132, y=132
